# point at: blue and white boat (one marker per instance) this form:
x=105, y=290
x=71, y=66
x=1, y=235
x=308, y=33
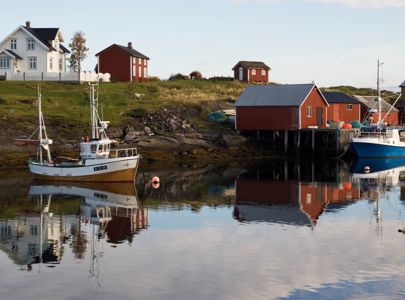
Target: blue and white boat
x=379, y=140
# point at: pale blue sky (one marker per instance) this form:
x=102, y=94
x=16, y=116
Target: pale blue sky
x=334, y=42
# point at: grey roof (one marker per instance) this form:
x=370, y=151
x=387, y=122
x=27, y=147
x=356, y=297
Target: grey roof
x=45, y=35
x=402, y=84
x=339, y=97
x=275, y=95
x=252, y=64
x=130, y=51
x=372, y=102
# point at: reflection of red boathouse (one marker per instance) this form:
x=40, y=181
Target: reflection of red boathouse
x=288, y=201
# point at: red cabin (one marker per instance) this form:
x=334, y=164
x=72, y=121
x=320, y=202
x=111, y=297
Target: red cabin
x=281, y=107
x=342, y=107
x=251, y=71
x=123, y=63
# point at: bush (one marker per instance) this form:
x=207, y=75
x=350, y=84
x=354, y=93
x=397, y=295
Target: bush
x=221, y=78
x=178, y=76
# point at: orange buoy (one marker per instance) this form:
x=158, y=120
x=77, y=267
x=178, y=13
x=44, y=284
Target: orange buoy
x=155, y=182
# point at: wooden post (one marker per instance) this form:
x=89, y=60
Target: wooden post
x=313, y=140
x=285, y=141
x=24, y=76
x=42, y=76
x=337, y=137
x=299, y=141
x=285, y=170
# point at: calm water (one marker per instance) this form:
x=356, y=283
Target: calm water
x=274, y=230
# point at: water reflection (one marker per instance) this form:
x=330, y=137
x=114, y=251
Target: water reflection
x=288, y=193
x=38, y=232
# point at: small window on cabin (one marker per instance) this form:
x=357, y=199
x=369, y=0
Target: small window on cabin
x=309, y=111
x=349, y=106
x=93, y=148
x=263, y=72
x=253, y=71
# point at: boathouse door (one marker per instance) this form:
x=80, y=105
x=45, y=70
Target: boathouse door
x=319, y=116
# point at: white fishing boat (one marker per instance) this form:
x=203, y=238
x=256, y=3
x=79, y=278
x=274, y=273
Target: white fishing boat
x=97, y=162
x=380, y=140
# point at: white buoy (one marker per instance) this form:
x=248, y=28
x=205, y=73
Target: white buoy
x=367, y=169
x=155, y=182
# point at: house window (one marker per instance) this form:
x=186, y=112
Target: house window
x=61, y=64
x=145, y=72
x=139, y=71
x=349, y=106
x=30, y=44
x=51, y=63
x=32, y=63
x=309, y=111
x=13, y=44
x=263, y=72
x=34, y=230
x=253, y=71
x=4, y=63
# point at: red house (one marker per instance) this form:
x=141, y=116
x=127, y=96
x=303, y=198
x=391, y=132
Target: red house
x=342, y=107
x=369, y=108
x=400, y=105
x=251, y=71
x=123, y=63
x=281, y=107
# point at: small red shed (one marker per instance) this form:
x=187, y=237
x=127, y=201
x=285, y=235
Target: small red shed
x=251, y=71
x=281, y=107
x=195, y=75
x=389, y=114
x=123, y=63
x=342, y=107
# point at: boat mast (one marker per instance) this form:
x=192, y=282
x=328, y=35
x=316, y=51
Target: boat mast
x=378, y=90
x=40, y=123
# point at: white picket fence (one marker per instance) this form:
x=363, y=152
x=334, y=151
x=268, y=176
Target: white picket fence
x=62, y=76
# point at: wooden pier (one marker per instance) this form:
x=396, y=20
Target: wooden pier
x=310, y=141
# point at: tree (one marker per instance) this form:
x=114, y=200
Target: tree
x=78, y=51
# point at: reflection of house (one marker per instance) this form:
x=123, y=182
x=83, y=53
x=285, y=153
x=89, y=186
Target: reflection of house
x=371, y=102
x=290, y=202
x=20, y=238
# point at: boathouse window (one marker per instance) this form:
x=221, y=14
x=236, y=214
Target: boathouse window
x=309, y=111
x=349, y=106
x=13, y=44
x=51, y=63
x=93, y=148
x=263, y=72
x=30, y=44
x=32, y=63
x=253, y=71
x=139, y=71
x=4, y=63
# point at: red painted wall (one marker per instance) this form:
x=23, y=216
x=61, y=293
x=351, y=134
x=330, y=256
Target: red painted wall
x=116, y=62
x=258, y=77
x=314, y=100
x=392, y=119
x=267, y=118
x=340, y=112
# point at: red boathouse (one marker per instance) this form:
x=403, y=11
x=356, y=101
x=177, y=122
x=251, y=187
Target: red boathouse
x=251, y=71
x=281, y=107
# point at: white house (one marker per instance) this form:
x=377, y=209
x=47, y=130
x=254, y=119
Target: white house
x=33, y=51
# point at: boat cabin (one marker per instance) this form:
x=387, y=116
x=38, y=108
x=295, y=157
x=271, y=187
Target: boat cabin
x=95, y=149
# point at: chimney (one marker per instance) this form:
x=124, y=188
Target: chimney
x=129, y=45
x=27, y=24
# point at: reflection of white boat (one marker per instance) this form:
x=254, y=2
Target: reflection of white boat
x=390, y=172
x=98, y=162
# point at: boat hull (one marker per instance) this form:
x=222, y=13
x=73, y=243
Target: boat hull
x=109, y=170
x=366, y=150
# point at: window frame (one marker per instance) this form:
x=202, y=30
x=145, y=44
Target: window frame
x=263, y=72
x=13, y=44
x=4, y=62
x=32, y=63
x=349, y=106
x=51, y=63
x=30, y=44
x=309, y=111
x=253, y=71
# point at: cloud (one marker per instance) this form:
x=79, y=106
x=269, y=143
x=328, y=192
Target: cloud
x=352, y=3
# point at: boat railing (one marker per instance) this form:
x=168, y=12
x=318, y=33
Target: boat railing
x=123, y=152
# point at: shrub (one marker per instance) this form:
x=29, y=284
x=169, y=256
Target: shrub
x=178, y=76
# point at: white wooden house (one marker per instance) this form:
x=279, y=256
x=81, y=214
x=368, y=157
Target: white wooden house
x=30, y=53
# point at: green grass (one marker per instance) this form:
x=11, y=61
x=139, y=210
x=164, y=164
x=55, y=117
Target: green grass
x=70, y=101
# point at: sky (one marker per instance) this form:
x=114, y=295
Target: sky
x=331, y=42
